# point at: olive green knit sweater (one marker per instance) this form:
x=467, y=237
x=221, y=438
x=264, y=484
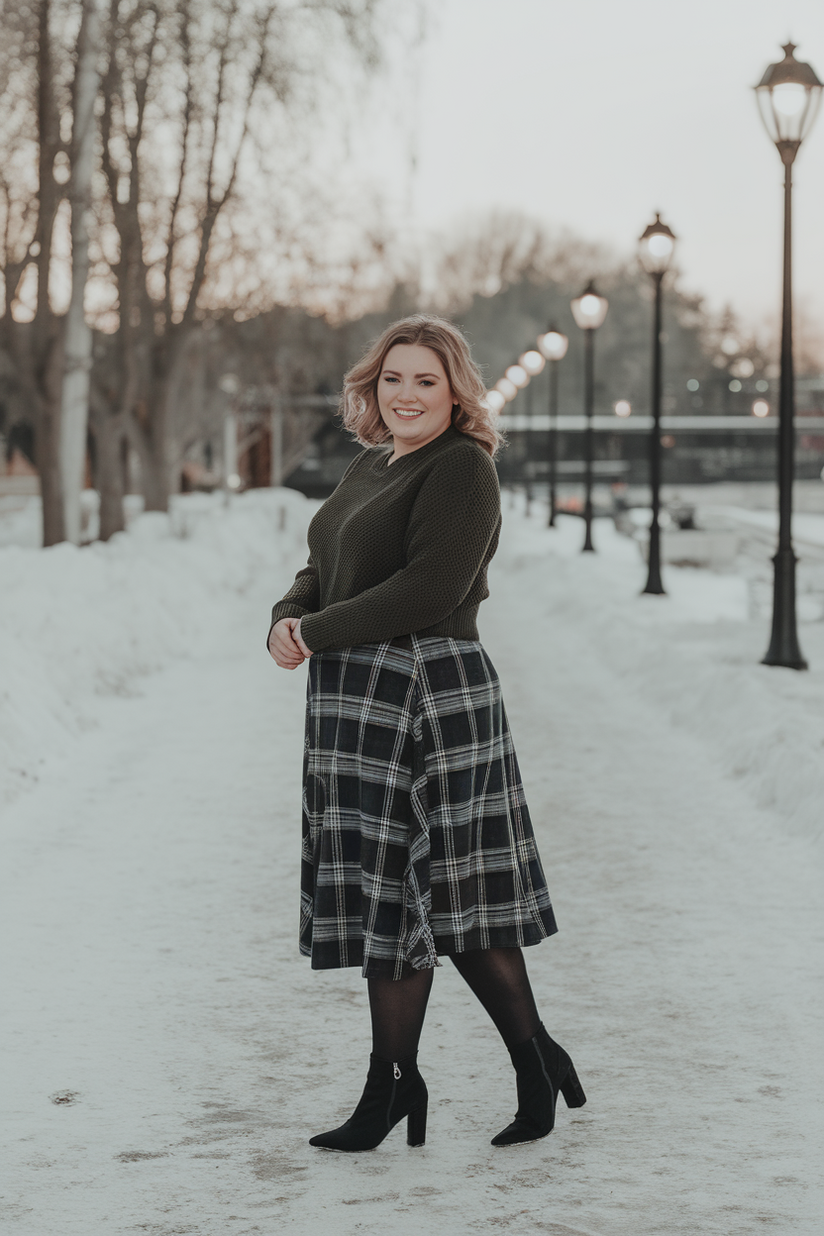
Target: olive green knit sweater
x=400, y=548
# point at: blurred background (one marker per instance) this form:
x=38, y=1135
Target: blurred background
x=207, y=209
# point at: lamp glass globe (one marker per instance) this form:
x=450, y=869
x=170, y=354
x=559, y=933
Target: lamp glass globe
x=589, y=309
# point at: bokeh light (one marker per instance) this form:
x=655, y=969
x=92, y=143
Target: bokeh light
x=532, y=362
x=553, y=345
x=517, y=375
x=507, y=388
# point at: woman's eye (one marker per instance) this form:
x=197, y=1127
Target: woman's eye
x=426, y=382
x=388, y=379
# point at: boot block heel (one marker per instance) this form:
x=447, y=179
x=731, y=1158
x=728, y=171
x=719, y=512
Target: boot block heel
x=416, y=1127
x=572, y=1090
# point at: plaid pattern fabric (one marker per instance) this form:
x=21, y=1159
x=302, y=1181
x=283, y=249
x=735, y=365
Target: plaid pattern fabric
x=417, y=839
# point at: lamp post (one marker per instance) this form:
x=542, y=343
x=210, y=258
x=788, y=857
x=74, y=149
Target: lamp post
x=655, y=250
x=554, y=347
x=788, y=97
x=532, y=364
x=589, y=310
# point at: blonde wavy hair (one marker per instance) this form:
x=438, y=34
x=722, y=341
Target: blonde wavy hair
x=359, y=402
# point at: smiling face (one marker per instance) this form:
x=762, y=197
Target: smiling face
x=414, y=396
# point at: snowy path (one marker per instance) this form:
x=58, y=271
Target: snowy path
x=151, y=892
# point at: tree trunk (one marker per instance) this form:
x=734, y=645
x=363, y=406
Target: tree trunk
x=78, y=347
x=47, y=332
x=155, y=468
x=47, y=445
x=109, y=480
x=158, y=449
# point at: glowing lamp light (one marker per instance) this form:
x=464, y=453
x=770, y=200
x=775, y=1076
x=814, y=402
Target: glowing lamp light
x=553, y=344
x=589, y=309
x=517, y=375
x=233, y=480
x=656, y=247
x=495, y=401
x=532, y=362
x=506, y=388
x=760, y=408
x=789, y=99
x=623, y=408
x=789, y=95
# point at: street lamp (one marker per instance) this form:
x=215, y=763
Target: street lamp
x=589, y=310
x=554, y=347
x=532, y=364
x=655, y=249
x=789, y=95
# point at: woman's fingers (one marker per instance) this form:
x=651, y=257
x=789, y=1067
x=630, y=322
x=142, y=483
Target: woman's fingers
x=289, y=665
x=283, y=648
x=292, y=627
x=288, y=662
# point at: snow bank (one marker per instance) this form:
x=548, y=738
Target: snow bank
x=78, y=624
x=696, y=652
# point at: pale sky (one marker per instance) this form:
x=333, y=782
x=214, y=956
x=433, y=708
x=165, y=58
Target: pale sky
x=596, y=113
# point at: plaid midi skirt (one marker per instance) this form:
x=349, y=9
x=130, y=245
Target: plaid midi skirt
x=417, y=839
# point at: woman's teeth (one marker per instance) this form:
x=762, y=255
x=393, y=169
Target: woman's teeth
x=407, y=414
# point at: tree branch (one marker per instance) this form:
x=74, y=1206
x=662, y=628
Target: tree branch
x=188, y=111
x=213, y=204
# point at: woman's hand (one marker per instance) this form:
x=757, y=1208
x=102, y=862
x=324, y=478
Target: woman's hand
x=285, y=645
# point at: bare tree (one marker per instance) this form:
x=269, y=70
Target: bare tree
x=78, y=335
x=187, y=90
x=32, y=183
x=490, y=253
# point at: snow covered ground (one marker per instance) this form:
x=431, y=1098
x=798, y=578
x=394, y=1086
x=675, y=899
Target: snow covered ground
x=168, y=1053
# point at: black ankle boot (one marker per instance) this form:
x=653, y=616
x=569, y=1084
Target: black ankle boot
x=393, y=1090
x=543, y=1069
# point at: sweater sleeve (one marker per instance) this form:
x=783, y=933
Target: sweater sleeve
x=302, y=598
x=304, y=595
x=453, y=520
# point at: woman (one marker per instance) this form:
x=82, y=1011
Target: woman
x=417, y=841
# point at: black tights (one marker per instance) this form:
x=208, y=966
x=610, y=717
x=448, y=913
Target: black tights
x=498, y=978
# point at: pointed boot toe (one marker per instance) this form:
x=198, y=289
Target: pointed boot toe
x=543, y=1070
x=393, y=1089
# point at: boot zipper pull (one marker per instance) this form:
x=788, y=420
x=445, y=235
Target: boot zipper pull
x=396, y=1072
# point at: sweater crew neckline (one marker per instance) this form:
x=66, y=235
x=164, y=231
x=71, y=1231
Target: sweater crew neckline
x=382, y=464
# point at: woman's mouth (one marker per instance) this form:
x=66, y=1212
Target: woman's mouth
x=408, y=414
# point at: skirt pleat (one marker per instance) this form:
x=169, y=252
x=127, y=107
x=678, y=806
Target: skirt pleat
x=417, y=840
